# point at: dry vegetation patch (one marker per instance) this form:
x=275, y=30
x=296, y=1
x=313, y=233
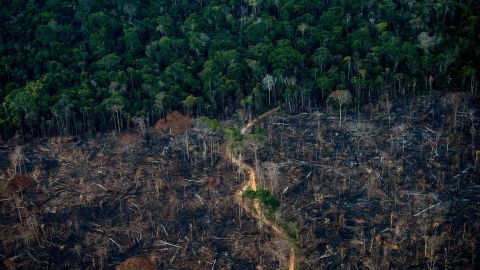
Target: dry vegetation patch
x=175, y=123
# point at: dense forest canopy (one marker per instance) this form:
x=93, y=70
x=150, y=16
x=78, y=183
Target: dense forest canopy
x=89, y=65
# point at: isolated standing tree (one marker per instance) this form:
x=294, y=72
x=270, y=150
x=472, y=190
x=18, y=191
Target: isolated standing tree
x=342, y=98
x=268, y=81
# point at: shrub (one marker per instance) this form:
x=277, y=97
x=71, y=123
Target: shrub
x=264, y=197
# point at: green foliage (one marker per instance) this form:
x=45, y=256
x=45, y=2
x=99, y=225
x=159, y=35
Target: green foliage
x=109, y=62
x=235, y=137
x=190, y=102
x=210, y=57
x=285, y=59
x=250, y=194
x=23, y=104
x=45, y=34
x=264, y=197
x=213, y=125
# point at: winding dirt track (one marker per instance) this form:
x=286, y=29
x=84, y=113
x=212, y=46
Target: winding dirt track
x=256, y=212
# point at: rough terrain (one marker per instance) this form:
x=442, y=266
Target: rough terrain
x=396, y=185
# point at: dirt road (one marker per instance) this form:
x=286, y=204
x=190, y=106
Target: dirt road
x=256, y=212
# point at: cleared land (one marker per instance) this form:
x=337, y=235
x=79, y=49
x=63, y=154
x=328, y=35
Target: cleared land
x=394, y=186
